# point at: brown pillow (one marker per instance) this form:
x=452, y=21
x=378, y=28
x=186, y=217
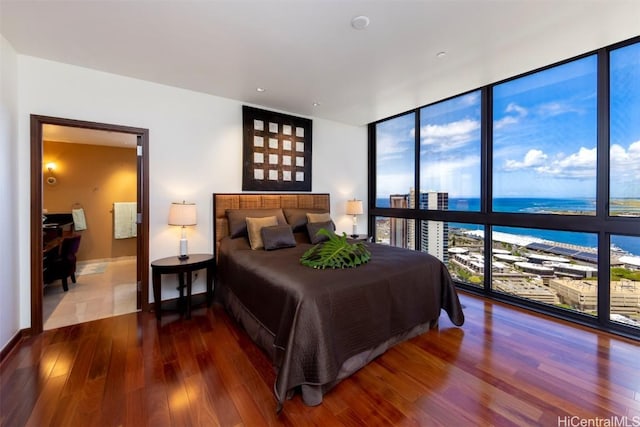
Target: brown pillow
x=297, y=217
x=238, y=223
x=314, y=227
x=318, y=217
x=277, y=237
x=254, y=227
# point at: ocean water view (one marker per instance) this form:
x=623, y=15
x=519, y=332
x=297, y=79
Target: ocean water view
x=629, y=244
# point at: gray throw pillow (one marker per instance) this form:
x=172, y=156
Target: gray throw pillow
x=314, y=227
x=277, y=237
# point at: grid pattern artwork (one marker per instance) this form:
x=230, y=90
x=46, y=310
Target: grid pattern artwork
x=276, y=151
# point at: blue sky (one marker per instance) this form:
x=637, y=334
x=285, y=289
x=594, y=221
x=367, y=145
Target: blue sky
x=625, y=122
x=544, y=133
x=450, y=146
x=544, y=136
x=395, y=155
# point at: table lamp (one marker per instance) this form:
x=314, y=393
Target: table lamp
x=354, y=207
x=183, y=214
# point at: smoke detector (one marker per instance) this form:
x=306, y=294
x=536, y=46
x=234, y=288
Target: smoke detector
x=360, y=22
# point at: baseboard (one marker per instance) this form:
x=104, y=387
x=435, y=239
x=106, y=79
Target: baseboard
x=13, y=343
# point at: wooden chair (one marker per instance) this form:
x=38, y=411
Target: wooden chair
x=64, y=265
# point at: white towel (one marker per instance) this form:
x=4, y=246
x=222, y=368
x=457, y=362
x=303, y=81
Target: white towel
x=79, y=221
x=124, y=220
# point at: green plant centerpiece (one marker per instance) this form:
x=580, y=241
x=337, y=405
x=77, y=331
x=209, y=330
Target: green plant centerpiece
x=336, y=252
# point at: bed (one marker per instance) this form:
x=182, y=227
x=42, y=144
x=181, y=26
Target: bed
x=320, y=326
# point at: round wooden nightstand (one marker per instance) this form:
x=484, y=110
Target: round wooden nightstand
x=174, y=265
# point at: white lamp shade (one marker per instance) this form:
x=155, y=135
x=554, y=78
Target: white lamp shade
x=354, y=207
x=182, y=214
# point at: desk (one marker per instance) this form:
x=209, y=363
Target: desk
x=54, y=229
x=173, y=265
x=50, y=252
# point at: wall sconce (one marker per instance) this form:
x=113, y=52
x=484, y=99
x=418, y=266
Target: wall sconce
x=354, y=207
x=51, y=180
x=183, y=214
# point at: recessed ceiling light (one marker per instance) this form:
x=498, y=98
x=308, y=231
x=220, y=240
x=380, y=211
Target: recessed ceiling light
x=441, y=54
x=315, y=104
x=360, y=22
x=260, y=89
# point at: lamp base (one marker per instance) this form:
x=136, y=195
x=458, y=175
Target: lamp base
x=183, y=249
x=354, y=236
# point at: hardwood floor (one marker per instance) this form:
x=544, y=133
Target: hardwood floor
x=503, y=367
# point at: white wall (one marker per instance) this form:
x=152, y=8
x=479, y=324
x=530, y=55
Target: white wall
x=9, y=258
x=195, y=149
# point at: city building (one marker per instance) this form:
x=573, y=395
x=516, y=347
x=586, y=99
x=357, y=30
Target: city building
x=399, y=231
x=434, y=235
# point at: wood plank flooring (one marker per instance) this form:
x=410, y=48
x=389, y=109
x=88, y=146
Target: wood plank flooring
x=503, y=367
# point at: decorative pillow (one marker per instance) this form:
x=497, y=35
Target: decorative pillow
x=318, y=217
x=314, y=227
x=254, y=226
x=297, y=217
x=238, y=223
x=277, y=237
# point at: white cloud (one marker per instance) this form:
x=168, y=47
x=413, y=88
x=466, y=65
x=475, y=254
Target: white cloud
x=515, y=108
x=625, y=164
x=578, y=165
x=585, y=157
x=622, y=157
x=459, y=176
x=431, y=171
x=514, y=113
x=505, y=121
x=472, y=99
x=556, y=109
x=533, y=158
x=449, y=136
x=389, y=147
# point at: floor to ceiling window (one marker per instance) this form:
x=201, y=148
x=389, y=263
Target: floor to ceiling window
x=395, y=164
x=528, y=189
x=450, y=154
x=545, y=140
x=624, y=128
x=624, y=182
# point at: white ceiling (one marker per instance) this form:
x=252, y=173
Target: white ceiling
x=305, y=51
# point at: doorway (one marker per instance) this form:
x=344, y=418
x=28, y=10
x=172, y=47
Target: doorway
x=38, y=124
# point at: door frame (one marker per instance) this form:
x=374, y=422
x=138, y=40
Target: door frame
x=37, y=168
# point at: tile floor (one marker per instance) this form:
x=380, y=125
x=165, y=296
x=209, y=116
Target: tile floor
x=93, y=296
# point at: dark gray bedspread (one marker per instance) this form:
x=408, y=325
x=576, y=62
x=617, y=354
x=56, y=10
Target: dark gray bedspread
x=320, y=318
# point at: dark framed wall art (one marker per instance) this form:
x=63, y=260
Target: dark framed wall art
x=276, y=151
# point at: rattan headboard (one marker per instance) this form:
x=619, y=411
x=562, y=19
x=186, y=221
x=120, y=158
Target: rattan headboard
x=224, y=201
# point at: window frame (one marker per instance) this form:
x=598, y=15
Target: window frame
x=602, y=224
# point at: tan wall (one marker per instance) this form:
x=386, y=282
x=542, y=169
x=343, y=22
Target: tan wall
x=94, y=177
